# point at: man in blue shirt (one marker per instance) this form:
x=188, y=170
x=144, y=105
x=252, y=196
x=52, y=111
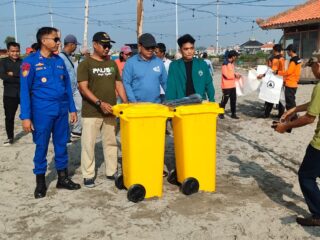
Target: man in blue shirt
x=144, y=73
x=46, y=99
x=70, y=45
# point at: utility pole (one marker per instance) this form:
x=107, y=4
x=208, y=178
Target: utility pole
x=177, y=29
x=50, y=13
x=139, y=17
x=15, y=20
x=85, y=33
x=217, y=37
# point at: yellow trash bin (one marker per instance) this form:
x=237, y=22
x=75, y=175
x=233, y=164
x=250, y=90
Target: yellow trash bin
x=194, y=129
x=142, y=128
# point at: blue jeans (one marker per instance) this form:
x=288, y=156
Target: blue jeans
x=77, y=127
x=308, y=173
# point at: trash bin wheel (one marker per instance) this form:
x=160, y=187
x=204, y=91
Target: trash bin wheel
x=136, y=193
x=190, y=186
x=119, y=182
x=172, y=177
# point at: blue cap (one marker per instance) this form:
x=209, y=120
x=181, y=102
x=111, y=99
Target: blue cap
x=71, y=39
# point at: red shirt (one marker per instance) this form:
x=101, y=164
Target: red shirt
x=120, y=65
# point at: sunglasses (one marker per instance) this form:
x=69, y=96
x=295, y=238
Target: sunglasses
x=150, y=48
x=56, y=39
x=106, y=45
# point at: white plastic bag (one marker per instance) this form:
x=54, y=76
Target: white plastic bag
x=239, y=86
x=262, y=69
x=271, y=87
x=253, y=83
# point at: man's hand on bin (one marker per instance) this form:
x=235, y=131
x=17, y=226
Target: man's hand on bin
x=106, y=107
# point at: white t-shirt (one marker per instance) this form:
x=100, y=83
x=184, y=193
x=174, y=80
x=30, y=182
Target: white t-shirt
x=166, y=63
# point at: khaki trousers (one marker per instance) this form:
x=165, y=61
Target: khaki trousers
x=90, y=129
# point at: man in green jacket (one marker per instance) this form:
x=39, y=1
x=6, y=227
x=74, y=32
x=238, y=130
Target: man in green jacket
x=189, y=75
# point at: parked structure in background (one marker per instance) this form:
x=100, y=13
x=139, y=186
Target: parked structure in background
x=300, y=27
x=3, y=53
x=251, y=47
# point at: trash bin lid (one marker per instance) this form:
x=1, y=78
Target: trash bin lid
x=206, y=107
x=141, y=110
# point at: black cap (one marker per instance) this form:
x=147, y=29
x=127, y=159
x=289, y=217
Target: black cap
x=277, y=47
x=187, y=38
x=233, y=53
x=102, y=37
x=291, y=47
x=147, y=40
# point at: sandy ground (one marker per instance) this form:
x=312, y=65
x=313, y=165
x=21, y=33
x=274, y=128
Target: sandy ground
x=257, y=197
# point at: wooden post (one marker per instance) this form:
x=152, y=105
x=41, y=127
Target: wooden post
x=139, y=17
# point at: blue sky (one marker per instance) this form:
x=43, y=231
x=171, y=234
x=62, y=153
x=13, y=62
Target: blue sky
x=118, y=18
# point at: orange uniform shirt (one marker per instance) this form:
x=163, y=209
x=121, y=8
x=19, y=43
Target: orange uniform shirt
x=291, y=77
x=276, y=63
x=228, y=79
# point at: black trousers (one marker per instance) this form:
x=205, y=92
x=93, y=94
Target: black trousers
x=10, y=108
x=290, y=95
x=232, y=94
x=308, y=173
x=268, y=108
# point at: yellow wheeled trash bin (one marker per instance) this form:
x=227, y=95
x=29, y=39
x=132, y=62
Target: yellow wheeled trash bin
x=142, y=127
x=194, y=130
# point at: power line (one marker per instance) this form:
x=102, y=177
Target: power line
x=73, y=7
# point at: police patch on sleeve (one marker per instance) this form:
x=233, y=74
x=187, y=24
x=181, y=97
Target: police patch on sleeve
x=25, y=69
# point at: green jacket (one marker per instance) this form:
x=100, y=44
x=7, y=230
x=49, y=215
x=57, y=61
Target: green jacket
x=177, y=80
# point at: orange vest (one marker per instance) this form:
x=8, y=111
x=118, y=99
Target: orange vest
x=291, y=77
x=276, y=63
x=228, y=80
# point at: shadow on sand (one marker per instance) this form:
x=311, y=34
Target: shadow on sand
x=275, y=188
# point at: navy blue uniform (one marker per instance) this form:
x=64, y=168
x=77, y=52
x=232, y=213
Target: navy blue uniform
x=46, y=99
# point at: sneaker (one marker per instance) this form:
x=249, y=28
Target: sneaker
x=69, y=142
x=89, y=182
x=75, y=135
x=67, y=183
x=311, y=221
x=8, y=142
x=221, y=116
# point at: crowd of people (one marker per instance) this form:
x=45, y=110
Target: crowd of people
x=52, y=89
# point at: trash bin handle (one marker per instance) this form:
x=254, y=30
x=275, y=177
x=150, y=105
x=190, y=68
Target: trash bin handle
x=176, y=114
x=123, y=117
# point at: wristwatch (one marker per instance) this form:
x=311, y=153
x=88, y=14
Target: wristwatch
x=98, y=102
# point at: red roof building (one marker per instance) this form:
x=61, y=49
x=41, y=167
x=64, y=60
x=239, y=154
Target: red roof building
x=267, y=47
x=3, y=52
x=301, y=25
x=307, y=13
